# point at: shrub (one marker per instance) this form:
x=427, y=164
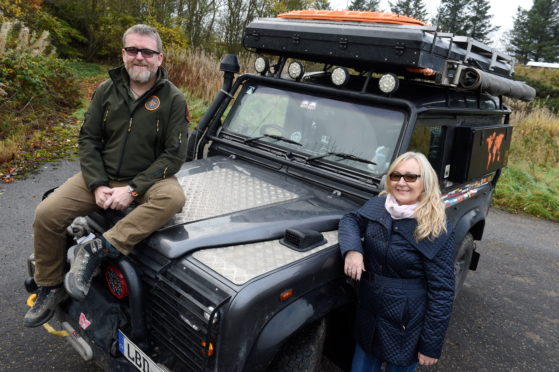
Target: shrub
x=197, y=72
x=35, y=88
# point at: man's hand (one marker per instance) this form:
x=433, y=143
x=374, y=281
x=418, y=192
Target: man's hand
x=119, y=199
x=353, y=266
x=102, y=194
x=424, y=360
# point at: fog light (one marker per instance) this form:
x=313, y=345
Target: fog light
x=296, y=70
x=116, y=282
x=340, y=76
x=388, y=83
x=261, y=64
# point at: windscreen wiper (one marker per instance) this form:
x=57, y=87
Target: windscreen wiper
x=344, y=156
x=274, y=136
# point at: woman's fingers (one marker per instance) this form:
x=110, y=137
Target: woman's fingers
x=353, y=265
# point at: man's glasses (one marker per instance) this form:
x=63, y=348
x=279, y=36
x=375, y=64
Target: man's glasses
x=147, y=53
x=394, y=176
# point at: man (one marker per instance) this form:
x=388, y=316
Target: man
x=132, y=142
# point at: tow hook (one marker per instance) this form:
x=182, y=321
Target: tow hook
x=62, y=333
x=72, y=336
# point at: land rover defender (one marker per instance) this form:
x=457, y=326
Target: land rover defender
x=248, y=276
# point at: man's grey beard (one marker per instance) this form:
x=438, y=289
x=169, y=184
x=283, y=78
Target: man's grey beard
x=141, y=77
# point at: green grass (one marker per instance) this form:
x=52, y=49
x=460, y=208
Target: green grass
x=197, y=107
x=85, y=69
x=528, y=188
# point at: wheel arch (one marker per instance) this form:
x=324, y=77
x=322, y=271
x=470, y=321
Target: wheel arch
x=299, y=314
x=471, y=222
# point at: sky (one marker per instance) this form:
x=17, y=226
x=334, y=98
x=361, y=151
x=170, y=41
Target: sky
x=503, y=11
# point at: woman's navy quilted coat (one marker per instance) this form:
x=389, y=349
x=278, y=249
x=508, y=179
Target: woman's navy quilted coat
x=392, y=323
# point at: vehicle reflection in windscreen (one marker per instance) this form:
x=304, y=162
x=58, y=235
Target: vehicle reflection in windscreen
x=315, y=126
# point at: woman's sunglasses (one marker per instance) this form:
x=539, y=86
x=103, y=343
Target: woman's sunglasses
x=394, y=176
x=147, y=53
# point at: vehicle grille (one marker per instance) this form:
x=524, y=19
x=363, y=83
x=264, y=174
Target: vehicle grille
x=182, y=315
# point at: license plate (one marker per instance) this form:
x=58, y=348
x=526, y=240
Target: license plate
x=135, y=355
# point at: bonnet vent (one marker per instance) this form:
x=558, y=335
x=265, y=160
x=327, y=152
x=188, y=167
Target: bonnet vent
x=302, y=239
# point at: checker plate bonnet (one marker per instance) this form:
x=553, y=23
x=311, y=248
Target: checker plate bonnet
x=223, y=191
x=244, y=262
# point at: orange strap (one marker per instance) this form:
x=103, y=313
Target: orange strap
x=352, y=15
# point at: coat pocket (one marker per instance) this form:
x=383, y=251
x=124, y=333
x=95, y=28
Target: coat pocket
x=393, y=307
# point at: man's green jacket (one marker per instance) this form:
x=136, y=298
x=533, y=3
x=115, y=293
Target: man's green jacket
x=137, y=141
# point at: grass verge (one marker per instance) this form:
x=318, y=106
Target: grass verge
x=45, y=134
x=528, y=188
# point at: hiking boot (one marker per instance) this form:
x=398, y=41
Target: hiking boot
x=87, y=258
x=44, y=307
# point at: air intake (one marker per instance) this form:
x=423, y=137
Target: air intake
x=302, y=239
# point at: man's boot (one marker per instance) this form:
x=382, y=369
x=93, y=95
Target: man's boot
x=87, y=258
x=44, y=307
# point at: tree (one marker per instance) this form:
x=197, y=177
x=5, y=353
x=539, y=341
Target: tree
x=452, y=16
x=543, y=30
x=519, y=44
x=478, y=22
x=411, y=8
x=282, y=6
x=371, y=5
x=535, y=34
x=321, y=4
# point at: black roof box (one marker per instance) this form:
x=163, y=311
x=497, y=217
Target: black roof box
x=366, y=46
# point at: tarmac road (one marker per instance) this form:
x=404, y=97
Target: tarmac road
x=505, y=319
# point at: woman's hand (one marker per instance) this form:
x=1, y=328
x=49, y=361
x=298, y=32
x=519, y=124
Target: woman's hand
x=353, y=266
x=424, y=360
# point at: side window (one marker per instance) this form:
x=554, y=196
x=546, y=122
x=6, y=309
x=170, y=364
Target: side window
x=429, y=140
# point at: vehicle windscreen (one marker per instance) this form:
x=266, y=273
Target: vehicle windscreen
x=351, y=134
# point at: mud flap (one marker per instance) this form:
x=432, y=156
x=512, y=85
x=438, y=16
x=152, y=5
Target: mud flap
x=474, y=261
x=98, y=317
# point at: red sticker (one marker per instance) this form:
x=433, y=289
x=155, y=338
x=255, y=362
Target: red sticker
x=84, y=323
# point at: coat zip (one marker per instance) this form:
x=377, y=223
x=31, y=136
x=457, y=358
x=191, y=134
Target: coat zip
x=124, y=147
x=133, y=109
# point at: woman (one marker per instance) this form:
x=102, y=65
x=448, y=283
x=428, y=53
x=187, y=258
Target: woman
x=401, y=250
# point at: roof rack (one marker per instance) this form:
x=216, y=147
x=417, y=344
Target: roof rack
x=382, y=42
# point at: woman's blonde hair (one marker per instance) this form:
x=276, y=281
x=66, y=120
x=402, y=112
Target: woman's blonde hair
x=430, y=212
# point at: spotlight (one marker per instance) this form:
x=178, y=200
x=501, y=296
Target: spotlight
x=388, y=83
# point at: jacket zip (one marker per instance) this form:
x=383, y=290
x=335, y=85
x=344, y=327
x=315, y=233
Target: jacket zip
x=156, y=142
x=124, y=147
x=137, y=104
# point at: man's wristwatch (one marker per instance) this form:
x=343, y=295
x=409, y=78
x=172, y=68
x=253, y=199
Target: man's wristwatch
x=133, y=193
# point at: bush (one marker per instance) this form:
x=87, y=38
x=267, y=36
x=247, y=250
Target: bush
x=546, y=83
x=36, y=90
x=44, y=83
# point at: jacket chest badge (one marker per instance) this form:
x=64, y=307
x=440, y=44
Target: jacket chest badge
x=152, y=103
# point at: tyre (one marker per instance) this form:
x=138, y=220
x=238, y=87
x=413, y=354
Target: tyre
x=303, y=351
x=462, y=262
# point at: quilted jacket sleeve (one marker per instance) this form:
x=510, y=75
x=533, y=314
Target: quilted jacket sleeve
x=350, y=231
x=439, y=274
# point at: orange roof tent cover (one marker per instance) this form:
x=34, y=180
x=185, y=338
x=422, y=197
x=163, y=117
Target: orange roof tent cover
x=353, y=16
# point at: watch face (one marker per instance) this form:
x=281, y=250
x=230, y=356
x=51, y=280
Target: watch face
x=132, y=192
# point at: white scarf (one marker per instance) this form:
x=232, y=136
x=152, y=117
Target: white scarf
x=397, y=211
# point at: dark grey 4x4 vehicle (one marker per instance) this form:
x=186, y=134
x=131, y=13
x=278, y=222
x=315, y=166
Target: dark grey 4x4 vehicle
x=248, y=277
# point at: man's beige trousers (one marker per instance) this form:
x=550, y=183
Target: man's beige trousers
x=73, y=199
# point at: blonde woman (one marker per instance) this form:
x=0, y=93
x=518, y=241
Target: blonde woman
x=400, y=249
